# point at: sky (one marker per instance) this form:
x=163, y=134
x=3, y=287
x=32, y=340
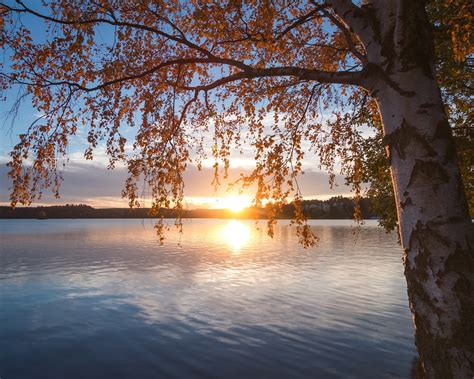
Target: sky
x=90, y=182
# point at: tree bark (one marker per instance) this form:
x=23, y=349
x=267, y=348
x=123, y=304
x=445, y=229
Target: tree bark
x=436, y=231
x=435, y=228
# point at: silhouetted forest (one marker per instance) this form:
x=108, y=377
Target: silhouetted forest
x=335, y=208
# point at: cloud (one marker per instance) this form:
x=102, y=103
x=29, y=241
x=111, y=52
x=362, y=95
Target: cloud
x=95, y=185
x=90, y=182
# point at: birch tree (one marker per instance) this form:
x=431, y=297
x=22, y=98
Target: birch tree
x=179, y=71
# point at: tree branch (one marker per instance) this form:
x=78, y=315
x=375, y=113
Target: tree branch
x=348, y=36
x=116, y=22
x=340, y=77
x=300, y=21
x=355, y=17
x=245, y=71
x=337, y=77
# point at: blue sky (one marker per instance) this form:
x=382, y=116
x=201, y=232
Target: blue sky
x=90, y=182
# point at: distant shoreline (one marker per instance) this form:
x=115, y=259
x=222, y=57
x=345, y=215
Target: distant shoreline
x=338, y=208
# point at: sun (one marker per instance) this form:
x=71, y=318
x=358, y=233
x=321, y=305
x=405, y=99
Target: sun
x=236, y=204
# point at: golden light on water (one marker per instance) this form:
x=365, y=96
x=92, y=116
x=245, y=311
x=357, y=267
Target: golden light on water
x=236, y=234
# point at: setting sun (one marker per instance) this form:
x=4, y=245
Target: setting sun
x=236, y=203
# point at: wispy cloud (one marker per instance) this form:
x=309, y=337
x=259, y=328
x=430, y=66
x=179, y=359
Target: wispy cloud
x=95, y=185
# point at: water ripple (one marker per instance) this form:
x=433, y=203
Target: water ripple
x=96, y=298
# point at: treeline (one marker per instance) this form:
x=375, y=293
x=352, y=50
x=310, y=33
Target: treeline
x=335, y=208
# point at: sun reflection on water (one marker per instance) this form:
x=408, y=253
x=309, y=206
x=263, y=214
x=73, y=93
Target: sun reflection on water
x=236, y=234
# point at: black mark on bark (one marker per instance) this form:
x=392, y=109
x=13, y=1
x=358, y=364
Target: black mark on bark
x=427, y=105
x=416, y=46
x=403, y=136
x=443, y=131
x=427, y=172
x=407, y=202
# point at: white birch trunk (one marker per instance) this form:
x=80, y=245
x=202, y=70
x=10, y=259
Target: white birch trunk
x=435, y=228
x=436, y=231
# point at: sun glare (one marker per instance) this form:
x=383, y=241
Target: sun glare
x=236, y=234
x=236, y=203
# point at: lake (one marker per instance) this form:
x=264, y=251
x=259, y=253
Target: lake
x=102, y=299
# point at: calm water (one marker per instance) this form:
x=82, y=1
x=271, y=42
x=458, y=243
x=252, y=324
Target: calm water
x=101, y=299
